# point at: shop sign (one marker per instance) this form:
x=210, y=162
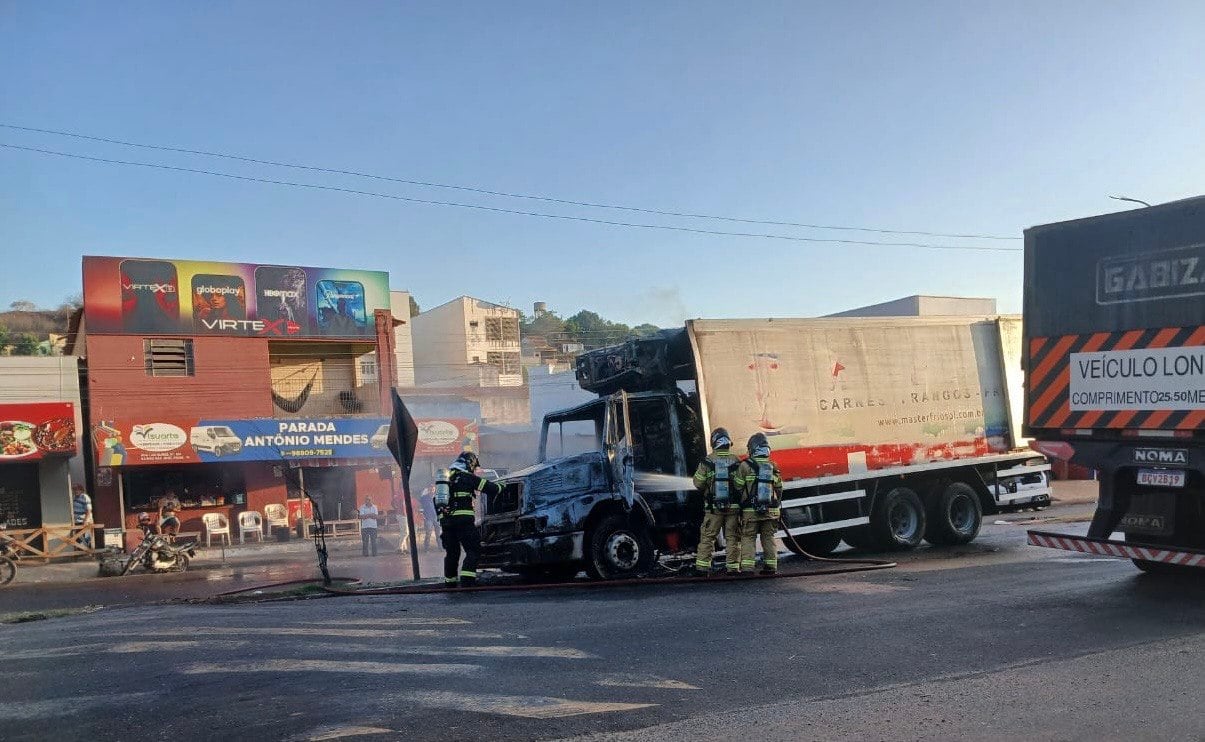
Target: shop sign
x=143, y=297
x=139, y=443
x=445, y=437
x=32, y=431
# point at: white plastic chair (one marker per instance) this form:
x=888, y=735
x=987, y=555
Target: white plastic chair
x=250, y=521
x=275, y=514
x=216, y=524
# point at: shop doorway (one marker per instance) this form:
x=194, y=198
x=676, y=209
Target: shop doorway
x=333, y=488
x=20, y=496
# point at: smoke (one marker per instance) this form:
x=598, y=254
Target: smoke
x=659, y=305
x=650, y=482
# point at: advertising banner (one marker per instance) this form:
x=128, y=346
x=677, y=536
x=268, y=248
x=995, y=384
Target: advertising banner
x=29, y=432
x=175, y=441
x=146, y=297
x=446, y=437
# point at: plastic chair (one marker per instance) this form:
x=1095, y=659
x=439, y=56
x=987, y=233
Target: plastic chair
x=216, y=524
x=250, y=521
x=275, y=514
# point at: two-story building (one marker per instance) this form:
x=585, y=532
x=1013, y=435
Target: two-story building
x=234, y=387
x=467, y=342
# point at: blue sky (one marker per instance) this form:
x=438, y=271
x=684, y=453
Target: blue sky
x=935, y=116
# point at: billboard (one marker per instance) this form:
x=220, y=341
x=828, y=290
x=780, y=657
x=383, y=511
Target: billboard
x=138, y=296
x=446, y=437
x=170, y=440
x=29, y=432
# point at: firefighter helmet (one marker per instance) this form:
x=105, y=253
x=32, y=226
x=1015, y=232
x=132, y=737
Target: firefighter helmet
x=720, y=438
x=759, y=445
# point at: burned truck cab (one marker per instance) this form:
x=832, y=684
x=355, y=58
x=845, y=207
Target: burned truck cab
x=580, y=506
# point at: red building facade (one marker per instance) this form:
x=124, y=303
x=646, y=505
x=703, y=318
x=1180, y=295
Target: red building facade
x=234, y=387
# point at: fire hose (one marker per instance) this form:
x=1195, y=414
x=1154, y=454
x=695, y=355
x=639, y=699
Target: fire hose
x=849, y=566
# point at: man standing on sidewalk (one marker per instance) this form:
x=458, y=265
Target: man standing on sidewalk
x=368, y=526
x=81, y=510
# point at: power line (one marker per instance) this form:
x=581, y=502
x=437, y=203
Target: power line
x=503, y=194
x=495, y=209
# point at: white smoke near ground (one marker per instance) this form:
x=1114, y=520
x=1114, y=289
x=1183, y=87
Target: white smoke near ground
x=651, y=482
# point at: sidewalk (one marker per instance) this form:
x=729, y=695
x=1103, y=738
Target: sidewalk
x=294, y=559
x=1075, y=491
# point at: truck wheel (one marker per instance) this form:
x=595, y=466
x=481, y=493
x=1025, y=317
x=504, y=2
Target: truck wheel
x=955, y=516
x=618, y=550
x=1155, y=568
x=814, y=544
x=859, y=538
x=897, y=521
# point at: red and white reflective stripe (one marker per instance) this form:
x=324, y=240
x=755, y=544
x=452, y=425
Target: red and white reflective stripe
x=1117, y=549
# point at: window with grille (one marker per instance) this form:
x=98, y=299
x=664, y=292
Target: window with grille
x=493, y=328
x=168, y=357
x=507, y=363
x=510, y=329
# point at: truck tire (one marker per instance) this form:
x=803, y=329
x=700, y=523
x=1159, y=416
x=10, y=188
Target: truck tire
x=814, y=544
x=618, y=549
x=897, y=521
x=1156, y=568
x=955, y=516
x=859, y=538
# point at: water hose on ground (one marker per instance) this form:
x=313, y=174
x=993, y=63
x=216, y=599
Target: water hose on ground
x=858, y=565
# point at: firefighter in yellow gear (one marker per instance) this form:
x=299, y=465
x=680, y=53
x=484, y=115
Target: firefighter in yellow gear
x=760, y=483
x=721, y=504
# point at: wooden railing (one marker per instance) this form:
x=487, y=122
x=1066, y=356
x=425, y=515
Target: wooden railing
x=54, y=542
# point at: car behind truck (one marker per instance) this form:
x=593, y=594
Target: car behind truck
x=887, y=431
x=1115, y=357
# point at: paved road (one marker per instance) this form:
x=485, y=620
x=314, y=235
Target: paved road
x=988, y=641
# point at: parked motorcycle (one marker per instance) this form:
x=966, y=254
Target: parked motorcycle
x=8, y=558
x=157, y=554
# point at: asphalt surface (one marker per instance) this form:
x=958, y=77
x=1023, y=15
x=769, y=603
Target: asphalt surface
x=989, y=641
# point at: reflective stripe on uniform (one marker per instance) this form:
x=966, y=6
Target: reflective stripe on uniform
x=746, y=563
x=702, y=564
x=467, y=573
x=463, y=512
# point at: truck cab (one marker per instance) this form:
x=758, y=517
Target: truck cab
x=578, y=508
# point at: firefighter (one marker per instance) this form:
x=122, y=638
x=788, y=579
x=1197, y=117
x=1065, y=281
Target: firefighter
x=455, y=491
x=721, y=504
x=760, y=483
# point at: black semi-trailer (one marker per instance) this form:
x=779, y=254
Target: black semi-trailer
x=1114, y=355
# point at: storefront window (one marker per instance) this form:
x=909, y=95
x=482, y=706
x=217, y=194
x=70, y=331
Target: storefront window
x=20, y=496
x=194, y=486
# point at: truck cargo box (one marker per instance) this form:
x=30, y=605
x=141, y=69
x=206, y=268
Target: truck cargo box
x=841, y=396
x=1115, y=323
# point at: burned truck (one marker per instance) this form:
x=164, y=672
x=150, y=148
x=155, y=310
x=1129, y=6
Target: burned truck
x=888, y=432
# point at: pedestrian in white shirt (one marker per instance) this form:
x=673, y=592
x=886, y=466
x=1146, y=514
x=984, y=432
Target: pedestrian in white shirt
x=368, y=526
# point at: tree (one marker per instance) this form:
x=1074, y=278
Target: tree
x=547, y=325
x=5, y=339
x=71, y=303
x=414, y=308
x=592, y=331
x=25, y=345
x=645, y=330
x=23, y=305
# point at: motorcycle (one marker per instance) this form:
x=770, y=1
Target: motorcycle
x=8, y=558
x=157, y=554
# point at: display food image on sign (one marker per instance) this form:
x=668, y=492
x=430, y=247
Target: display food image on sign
x=138, y=296
x=150, y=295
x=29, y=432
x=135, y=443
x=1149, y=379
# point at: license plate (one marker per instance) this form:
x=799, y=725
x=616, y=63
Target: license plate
x=1161, y=477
